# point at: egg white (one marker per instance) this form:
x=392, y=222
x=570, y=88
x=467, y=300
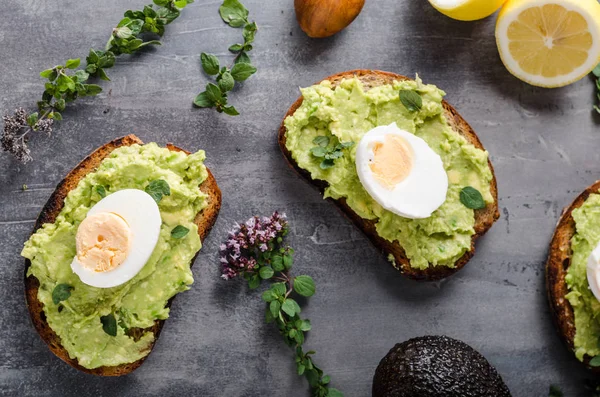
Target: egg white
x=424, y=189
x=141, y=213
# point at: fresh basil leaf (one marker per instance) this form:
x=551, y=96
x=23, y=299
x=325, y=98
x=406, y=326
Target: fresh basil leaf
x=233, y=13
x=266, y=272
x=241, y=71
x=226, y=82
x=231, y=111
x=304, y=285
x=157, y=189
x=472, y=198
x=290, y=307
x=203, y=101
x=411, y=100
x=179, y=232
x=61, y=292
x=72, y=63
x=100, y=190
x=109, y=324
x=210, y=63
x=321, y=140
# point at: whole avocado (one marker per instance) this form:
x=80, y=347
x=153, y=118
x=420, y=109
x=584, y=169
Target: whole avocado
x=436, y=366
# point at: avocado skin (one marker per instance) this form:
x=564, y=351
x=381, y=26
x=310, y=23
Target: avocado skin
x=436, y=366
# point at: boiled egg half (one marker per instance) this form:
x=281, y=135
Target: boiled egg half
x=401, y=172
x=116, y=238
x=593, y=271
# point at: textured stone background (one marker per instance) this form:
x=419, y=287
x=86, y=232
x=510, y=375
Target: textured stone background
x=543, y=144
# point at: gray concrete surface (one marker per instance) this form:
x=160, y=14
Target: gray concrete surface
x=543, y=144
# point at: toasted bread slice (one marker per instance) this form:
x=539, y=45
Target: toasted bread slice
x=484, y=218
x=559, y=260
x=204, y=220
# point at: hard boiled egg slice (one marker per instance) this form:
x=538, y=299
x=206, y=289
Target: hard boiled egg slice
x=593, y=271
x=116, y=238
x=401, y=172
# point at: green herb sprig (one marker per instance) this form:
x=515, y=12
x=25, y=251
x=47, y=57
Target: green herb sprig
x=328, y=153
x=596, y=73
x=472, y=198
x=256, y=252
x=65, y=83
x=61, y=292
x=215, y=95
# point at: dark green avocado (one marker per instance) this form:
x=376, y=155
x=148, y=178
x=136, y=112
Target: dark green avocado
x=436, y=366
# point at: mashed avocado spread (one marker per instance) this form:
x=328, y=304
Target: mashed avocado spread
x=586, y=307
x=141, y=300
x=347, y=112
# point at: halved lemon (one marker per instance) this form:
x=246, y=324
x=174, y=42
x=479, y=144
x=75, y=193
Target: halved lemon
x=467, y=10
x=549, y=43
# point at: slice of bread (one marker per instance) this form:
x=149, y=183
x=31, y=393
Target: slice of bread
x=559, y=260
x=484, y=218
x=204, y=220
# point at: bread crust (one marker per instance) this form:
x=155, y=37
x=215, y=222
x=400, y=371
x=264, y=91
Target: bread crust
x=484, y=218
x=204, y=220
x=559, y=260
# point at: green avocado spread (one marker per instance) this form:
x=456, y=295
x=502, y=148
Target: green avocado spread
x=586, y=307
x=143, y=299
x=346, y=113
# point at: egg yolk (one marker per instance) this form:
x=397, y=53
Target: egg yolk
x=102, y=242
x=392, y=161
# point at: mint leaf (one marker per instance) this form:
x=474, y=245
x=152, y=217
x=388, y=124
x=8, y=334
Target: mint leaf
x=241, y=71
x=210, y=63
x=233, y=13
x=472, y=198
x=304, y=285
x=109, y=324
x=179, y=232
x=61, y=292
x=411, y=100
x=157, y=189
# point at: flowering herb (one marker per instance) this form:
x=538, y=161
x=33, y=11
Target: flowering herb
x=596, y=73
x=328, y=153
x=235, y=15
x=65, y=83
x=256, y=252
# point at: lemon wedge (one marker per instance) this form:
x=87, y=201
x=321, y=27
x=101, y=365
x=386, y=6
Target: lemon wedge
x=467, y=10
x=549, y=43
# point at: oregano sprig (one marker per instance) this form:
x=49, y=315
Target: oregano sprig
x=255, y=251
x=596, y=73
x=235, y=15
x=65, y=83
x=328, y=153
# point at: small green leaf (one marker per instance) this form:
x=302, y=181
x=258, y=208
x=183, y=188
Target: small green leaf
x=242, y=58
x=596, y=71
x=109, y=324
x=305, y=325
x=254, y=282
x=249, y=32
x=32, y=119
x=301, y=369
x=241, y=71
x=179, y=232
x=277, y=262
x=226, y=82
x=48, y=73
x=100, y=190
x=102, y=75
x=278, y=289
x=290, y=307
x=304, y=285
x=472, y=198
x=230, y=110
x=288, y=260
x=321, y=140
x=73, y=63
x=92, y=89
x=61, y=292
x=203, y=101
x=331, y=392
x=233, y=13
x=266, y=272
x=411, y=100
x=56, y=116
x=82, y=75
x=595, y=362
x=161, y=3
x=274, y=307
x=268, y=296
x=60, y=105
x=210, y=63
x=318, y=151
x=214, y=93
x=326, y=164
x=157, y=189
x=234, y=48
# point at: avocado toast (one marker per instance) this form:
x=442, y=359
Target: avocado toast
x=558, y=266
x=483, y=218
x=204, y=220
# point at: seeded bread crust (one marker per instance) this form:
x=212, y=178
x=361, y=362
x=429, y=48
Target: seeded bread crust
x=484, y=218
x=559, y=260
x=204, y=220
